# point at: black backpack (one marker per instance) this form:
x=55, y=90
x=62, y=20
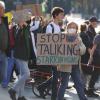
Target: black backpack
x=44, y=28
x=41, y=30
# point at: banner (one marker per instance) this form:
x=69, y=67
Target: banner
x=54, y=49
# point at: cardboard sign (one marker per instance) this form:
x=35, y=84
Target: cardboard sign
x=54, y=49
x=19, y=7
x=35, y=9
x=29, y=7
x=21, y=15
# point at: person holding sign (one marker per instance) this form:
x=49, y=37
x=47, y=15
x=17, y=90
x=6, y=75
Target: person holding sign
x=52, y=28
x=74, y=70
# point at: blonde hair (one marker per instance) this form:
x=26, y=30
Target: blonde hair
x=72, y=23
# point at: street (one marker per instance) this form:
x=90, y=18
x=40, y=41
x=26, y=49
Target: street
x=69, y=95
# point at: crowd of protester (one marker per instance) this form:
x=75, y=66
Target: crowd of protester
x=18, y=46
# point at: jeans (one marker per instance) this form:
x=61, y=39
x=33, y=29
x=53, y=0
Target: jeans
x=94, y=79
x=10, y=67
x=24, y=75
x=79, y=83
x=55, y=77
x=11, y=62
x=3, y=66
x=63, y=85
x=52, y=81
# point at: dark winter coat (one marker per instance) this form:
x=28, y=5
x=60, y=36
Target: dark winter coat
x=22, y=44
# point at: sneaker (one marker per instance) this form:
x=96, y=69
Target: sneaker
x=86, y=91
x=41, y=92
x=69, y=87
x=12, y=94
x=22, y=98
x=12, y=79
x=92, y=94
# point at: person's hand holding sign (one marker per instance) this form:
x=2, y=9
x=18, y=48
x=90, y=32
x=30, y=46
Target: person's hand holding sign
x=90, y=61
x=77, y=41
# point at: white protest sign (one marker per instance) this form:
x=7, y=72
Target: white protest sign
x=54, y=49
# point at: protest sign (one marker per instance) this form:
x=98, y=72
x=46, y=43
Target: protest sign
x=35, y=9
x=19, y=7
x=21, y=15
x=54, y=49
x=29, y=7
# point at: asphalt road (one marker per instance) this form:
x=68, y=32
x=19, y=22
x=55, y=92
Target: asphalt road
x=69, y=95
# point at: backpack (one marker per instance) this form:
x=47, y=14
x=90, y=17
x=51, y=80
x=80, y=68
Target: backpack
x=44, y=28
x=41, y=30
x=3, y=37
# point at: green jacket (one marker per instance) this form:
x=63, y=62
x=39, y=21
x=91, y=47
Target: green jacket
x=22, y=44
